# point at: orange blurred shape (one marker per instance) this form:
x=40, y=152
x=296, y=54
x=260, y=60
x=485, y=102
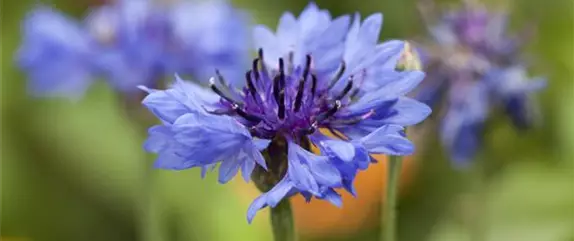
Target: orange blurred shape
x=320, y=218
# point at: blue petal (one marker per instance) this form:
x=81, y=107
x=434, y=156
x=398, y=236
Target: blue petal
x=312, y=19
x=362, y=41
x=266, y=40
x=270, y=198
x=261, y=144
x=327, y=47
x=300, y=173
x=171, y=161
x=310, y=170
x=184, y=97
x=378, y=68
x=312, y=33
x=371, y=28
x=362, y=158
x=165, y=106
x=308, y=196
x=206, y=168
x=246, y=169
x=204, y=140
x=278, y=192
x=341, y=149
x=350, y=187
x=403, y=111
x=158, y=139
x=333, y=197
x=172, y=155
x=309, y=13
x=388, y=140
x=408, y=112
x=390, y=52
x=254, y=153
x=325, y=172
x=288, y=33
x=210, y=139
x=257, y=204
x=351, y=43
x=229, y=168
x=383, y=58
x=405, y=82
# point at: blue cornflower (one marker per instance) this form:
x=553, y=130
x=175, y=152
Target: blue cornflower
x=316, y=74
x=202, y=31
x=482, y=31
x=475, y=66
x=56, y=53
x=131, y=43
x=133, y=40
x=143, y=41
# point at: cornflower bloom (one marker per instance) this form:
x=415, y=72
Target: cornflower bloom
x=316, y=74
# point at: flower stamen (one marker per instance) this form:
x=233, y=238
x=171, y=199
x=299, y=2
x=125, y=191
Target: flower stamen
x=250, y=85
x=255, y=68
x=338, y=75
x=313, y=86
x=260, y=57
x=279, y=90
x=346, y=90
x=301, y=88
x=329, y=113
x=243, y=114
x=220, y=93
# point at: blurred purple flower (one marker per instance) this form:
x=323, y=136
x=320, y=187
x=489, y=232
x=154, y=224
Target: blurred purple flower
x=315, y=72
x=476, y=66
x=56, y=53
x=131, y=43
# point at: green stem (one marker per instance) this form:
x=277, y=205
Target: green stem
x=477, y=222
x=389, y=214
x=282, y=222
x=151, y=223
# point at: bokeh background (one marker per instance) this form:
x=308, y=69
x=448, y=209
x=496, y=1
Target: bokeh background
x=74, y=170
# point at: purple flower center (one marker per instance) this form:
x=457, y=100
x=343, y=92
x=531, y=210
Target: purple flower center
x=290, y=101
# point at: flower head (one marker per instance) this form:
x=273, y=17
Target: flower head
x=477, y=28
x=314, y=75
x=134, y=40
x=202, y=30
x=131, y=43
x=143, y=41
x=474, y=65
x=56, y=53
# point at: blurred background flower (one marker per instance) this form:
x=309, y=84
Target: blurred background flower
x=475, y=66
x=72, y=171
x=131, y=43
